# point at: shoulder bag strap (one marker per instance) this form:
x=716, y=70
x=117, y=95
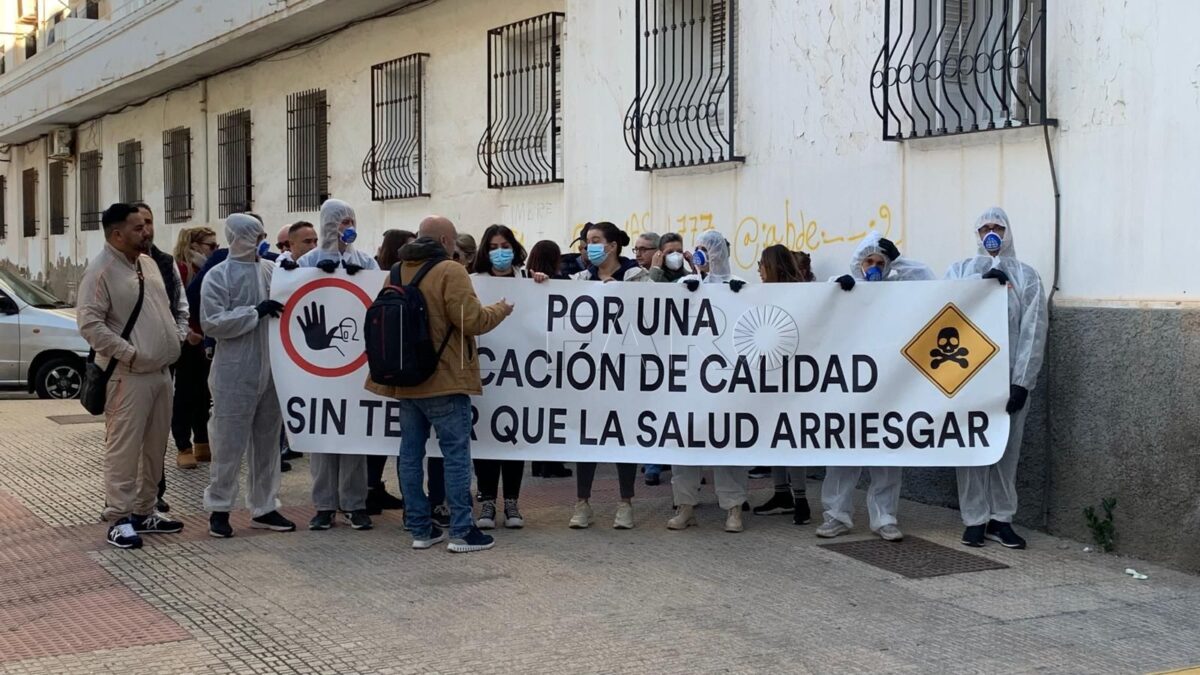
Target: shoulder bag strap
x=133, y=316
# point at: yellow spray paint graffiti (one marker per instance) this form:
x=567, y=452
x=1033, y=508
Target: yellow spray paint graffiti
x=754, y=233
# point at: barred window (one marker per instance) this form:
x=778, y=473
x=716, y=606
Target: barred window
x=959, y=66
x=394, y=168
x=308, y=155
x=89, y=190
x=522, y=144
x=235, y=189
x=177, y=174
x=686, y=82
x=129, y=171
x=58, y=197
x=3, y=208
x=29, y=182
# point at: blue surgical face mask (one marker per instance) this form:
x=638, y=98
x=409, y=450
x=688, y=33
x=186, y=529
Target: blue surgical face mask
x=873, y=273
x=263, y=248
x=502, y=258
x=348, y=235
x=596, y=254
x=992, y=242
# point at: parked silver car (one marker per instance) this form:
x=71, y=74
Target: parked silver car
x=40, y=345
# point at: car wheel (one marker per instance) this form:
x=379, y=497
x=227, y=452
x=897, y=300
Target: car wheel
x=59, y=378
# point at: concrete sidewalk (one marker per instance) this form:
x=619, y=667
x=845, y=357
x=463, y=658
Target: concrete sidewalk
x=546, y=599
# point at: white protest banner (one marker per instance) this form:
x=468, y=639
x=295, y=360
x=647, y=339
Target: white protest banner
x=888, y=374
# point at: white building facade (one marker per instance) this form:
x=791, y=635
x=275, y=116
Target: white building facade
x=802, y=122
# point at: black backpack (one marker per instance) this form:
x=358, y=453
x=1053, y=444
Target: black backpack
x=400, y=349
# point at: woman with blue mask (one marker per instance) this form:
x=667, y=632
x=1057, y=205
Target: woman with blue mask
x=605, y=263
x=500, y=255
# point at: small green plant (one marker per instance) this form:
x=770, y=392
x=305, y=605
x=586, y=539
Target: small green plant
x=1104, y=531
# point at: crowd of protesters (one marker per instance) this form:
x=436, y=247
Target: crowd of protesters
x=188, y=338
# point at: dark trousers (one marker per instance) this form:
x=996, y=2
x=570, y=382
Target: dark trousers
x=375, y=470
x=488, y=472
x=585, y=474
x=436, y=476
x=189, y=412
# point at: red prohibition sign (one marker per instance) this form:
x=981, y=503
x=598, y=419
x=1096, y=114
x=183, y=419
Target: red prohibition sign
x=285, y=330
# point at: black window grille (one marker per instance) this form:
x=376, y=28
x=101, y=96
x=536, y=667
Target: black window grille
x=686, y=82
x=308, y=153
x=395, y=166
x=91, y=9
x=89, y=190
x=959, y=66
x=177, y=174
x=31, y=43
x=3, y=62
x=235, y=187
x=522, y=144
x=129, y=171
x=3, y=208
x=29, y=183
x=58, y=197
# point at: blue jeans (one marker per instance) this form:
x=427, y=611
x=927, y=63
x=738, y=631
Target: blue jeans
x=450, y=417
x=653, y=469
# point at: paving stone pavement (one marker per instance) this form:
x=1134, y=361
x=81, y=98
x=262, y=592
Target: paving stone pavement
x=547, y=599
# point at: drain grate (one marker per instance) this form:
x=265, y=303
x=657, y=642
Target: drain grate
x=914, y=557
x=75, y=419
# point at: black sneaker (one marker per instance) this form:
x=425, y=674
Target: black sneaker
x=653, y=478
x=358, y=520
x=474, y=541
x=802, y=515
x=156, y=523
x=218, y=525
x=284, y=467
x=123, y=535
x=272, y=521
x=378, y=501
x=555, y=470
x=441, y=516
x=487, y=515
x=779, y=504
x=760, y=472
x=436, y=536
x=290, y=454
x=322, y=521
x=162, y=506
x=1003, y=533
x=973, y=536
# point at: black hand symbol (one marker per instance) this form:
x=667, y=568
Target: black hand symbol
x=313, y=325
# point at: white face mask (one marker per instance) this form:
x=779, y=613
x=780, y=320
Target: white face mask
x=675, y=261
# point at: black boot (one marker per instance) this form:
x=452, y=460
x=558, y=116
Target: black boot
x=801, y=516
x=379, y=500
x=555, y=470
x=536, y=469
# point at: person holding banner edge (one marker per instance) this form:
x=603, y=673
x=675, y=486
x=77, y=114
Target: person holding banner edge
x=500, y=255
x=987, y=495
x=605, y=263
x=731, y=483
x=872, y=261
x=443, y=401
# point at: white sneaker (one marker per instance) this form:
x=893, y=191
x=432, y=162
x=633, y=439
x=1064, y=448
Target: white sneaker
x=832, y=527
x=685, y=517
x=733, y=519
x=624, y=517
x=583, y=515
x=890, y=533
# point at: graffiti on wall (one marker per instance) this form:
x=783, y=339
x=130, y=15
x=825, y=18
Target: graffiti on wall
x=752, y=233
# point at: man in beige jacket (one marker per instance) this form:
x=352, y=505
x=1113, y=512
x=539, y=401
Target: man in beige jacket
x=137, y=411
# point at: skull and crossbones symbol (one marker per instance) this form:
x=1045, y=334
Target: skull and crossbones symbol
x=948, y=349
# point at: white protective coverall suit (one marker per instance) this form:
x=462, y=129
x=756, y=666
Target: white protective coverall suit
x=246, y=412
x=990, y=492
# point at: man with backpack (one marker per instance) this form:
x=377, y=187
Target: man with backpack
x=433, y=390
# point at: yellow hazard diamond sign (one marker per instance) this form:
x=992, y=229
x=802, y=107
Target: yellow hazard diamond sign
x=949, y=350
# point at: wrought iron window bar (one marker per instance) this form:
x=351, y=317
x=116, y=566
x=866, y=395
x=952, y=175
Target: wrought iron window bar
x=308, y=150
x=58, y=197
x=177, y=174
x=522, y=144
x=29, y=182
x=960, y=66
x=89, y=191
x=394, y=168
x=129, y=171
x=235, y=187
x=3, y=208
x=684, y=111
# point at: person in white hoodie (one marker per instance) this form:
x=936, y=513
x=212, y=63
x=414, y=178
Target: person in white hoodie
x=873, y=260
x=987, y=495
x=732, y=483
